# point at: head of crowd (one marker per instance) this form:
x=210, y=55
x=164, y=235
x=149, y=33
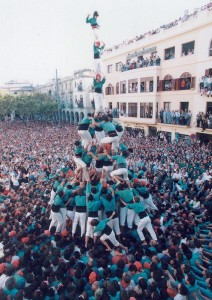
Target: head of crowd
x=98, y=212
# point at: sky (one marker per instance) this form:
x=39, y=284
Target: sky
x=39, y=36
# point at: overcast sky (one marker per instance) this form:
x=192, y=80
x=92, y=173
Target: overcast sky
x=38, y=36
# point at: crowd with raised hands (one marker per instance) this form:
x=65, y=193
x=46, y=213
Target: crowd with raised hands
x=85, y=219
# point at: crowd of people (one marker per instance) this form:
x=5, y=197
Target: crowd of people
x=137, y=38
x=203, y=120
x=175, y=117
x=142, y=62
x=144, y=207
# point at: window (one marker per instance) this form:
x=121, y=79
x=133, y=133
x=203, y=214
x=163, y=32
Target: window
x=133, y=86
x=169, y=53
x=117, y=88
x=110, y=105
x=146, y=84
x=210, y=49
x=167, y=105
x=132, y=110
x=109, y=90
x=151, y=86
x=80, y=86
x=146, y=110
x=123, y=87
x=118, y=66
x=188, y=48
x=185, y=82
x=184, y=106
x=209, y=107
x=109, y=68
x=123, y=108
x=168, y=83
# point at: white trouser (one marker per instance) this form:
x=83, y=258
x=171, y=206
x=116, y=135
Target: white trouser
x=79, y=217
x=81, y=165
x=146, y=223
x=99, y=103
x=114, y=224
x=57, y=221
x=148, y=203
x=120, y=134
x=98, y=65
x=99, y=136
x=110, y=237
x=119, y=172
x=90, y=229
x=63, y=211
x=70, y=214
x=86, y=139
x=114, y=140
x=126, y=213
x=95, y=33
x=108, y=170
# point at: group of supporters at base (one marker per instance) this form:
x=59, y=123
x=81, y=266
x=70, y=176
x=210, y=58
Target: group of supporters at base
x=144, y=237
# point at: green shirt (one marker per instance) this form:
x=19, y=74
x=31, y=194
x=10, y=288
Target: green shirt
x=80, y=200
x=109, y=205
x=93, y=206
x=137, y=207
x=101, y=226
x=126, y=195
x=108, y=126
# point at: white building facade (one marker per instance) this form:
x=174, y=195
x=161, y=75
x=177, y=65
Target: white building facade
x=154, y=83
x=75, y=95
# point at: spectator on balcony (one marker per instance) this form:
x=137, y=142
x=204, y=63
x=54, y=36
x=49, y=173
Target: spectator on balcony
x=161, y=115
x=158, y=61
x=177, y=114
x=168, y=117
x=164, y=116
x=173, y=116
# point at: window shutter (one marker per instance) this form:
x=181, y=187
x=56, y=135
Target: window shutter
x=193, y=79
x=173, y=84
x=106, y=91
x=117, y=89
x=177, y=85
x=160, y=88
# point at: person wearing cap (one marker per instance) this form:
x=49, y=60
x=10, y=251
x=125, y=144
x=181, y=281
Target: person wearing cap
x=107, y=233
x=142, y=219
x=98, y=83
x=94, y=24
x=97, y=50
x=84, y=133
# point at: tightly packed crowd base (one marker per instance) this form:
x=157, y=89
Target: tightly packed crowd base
x=113, y=254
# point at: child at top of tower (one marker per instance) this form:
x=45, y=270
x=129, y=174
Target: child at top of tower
x=94, y=24
x=93, y=21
